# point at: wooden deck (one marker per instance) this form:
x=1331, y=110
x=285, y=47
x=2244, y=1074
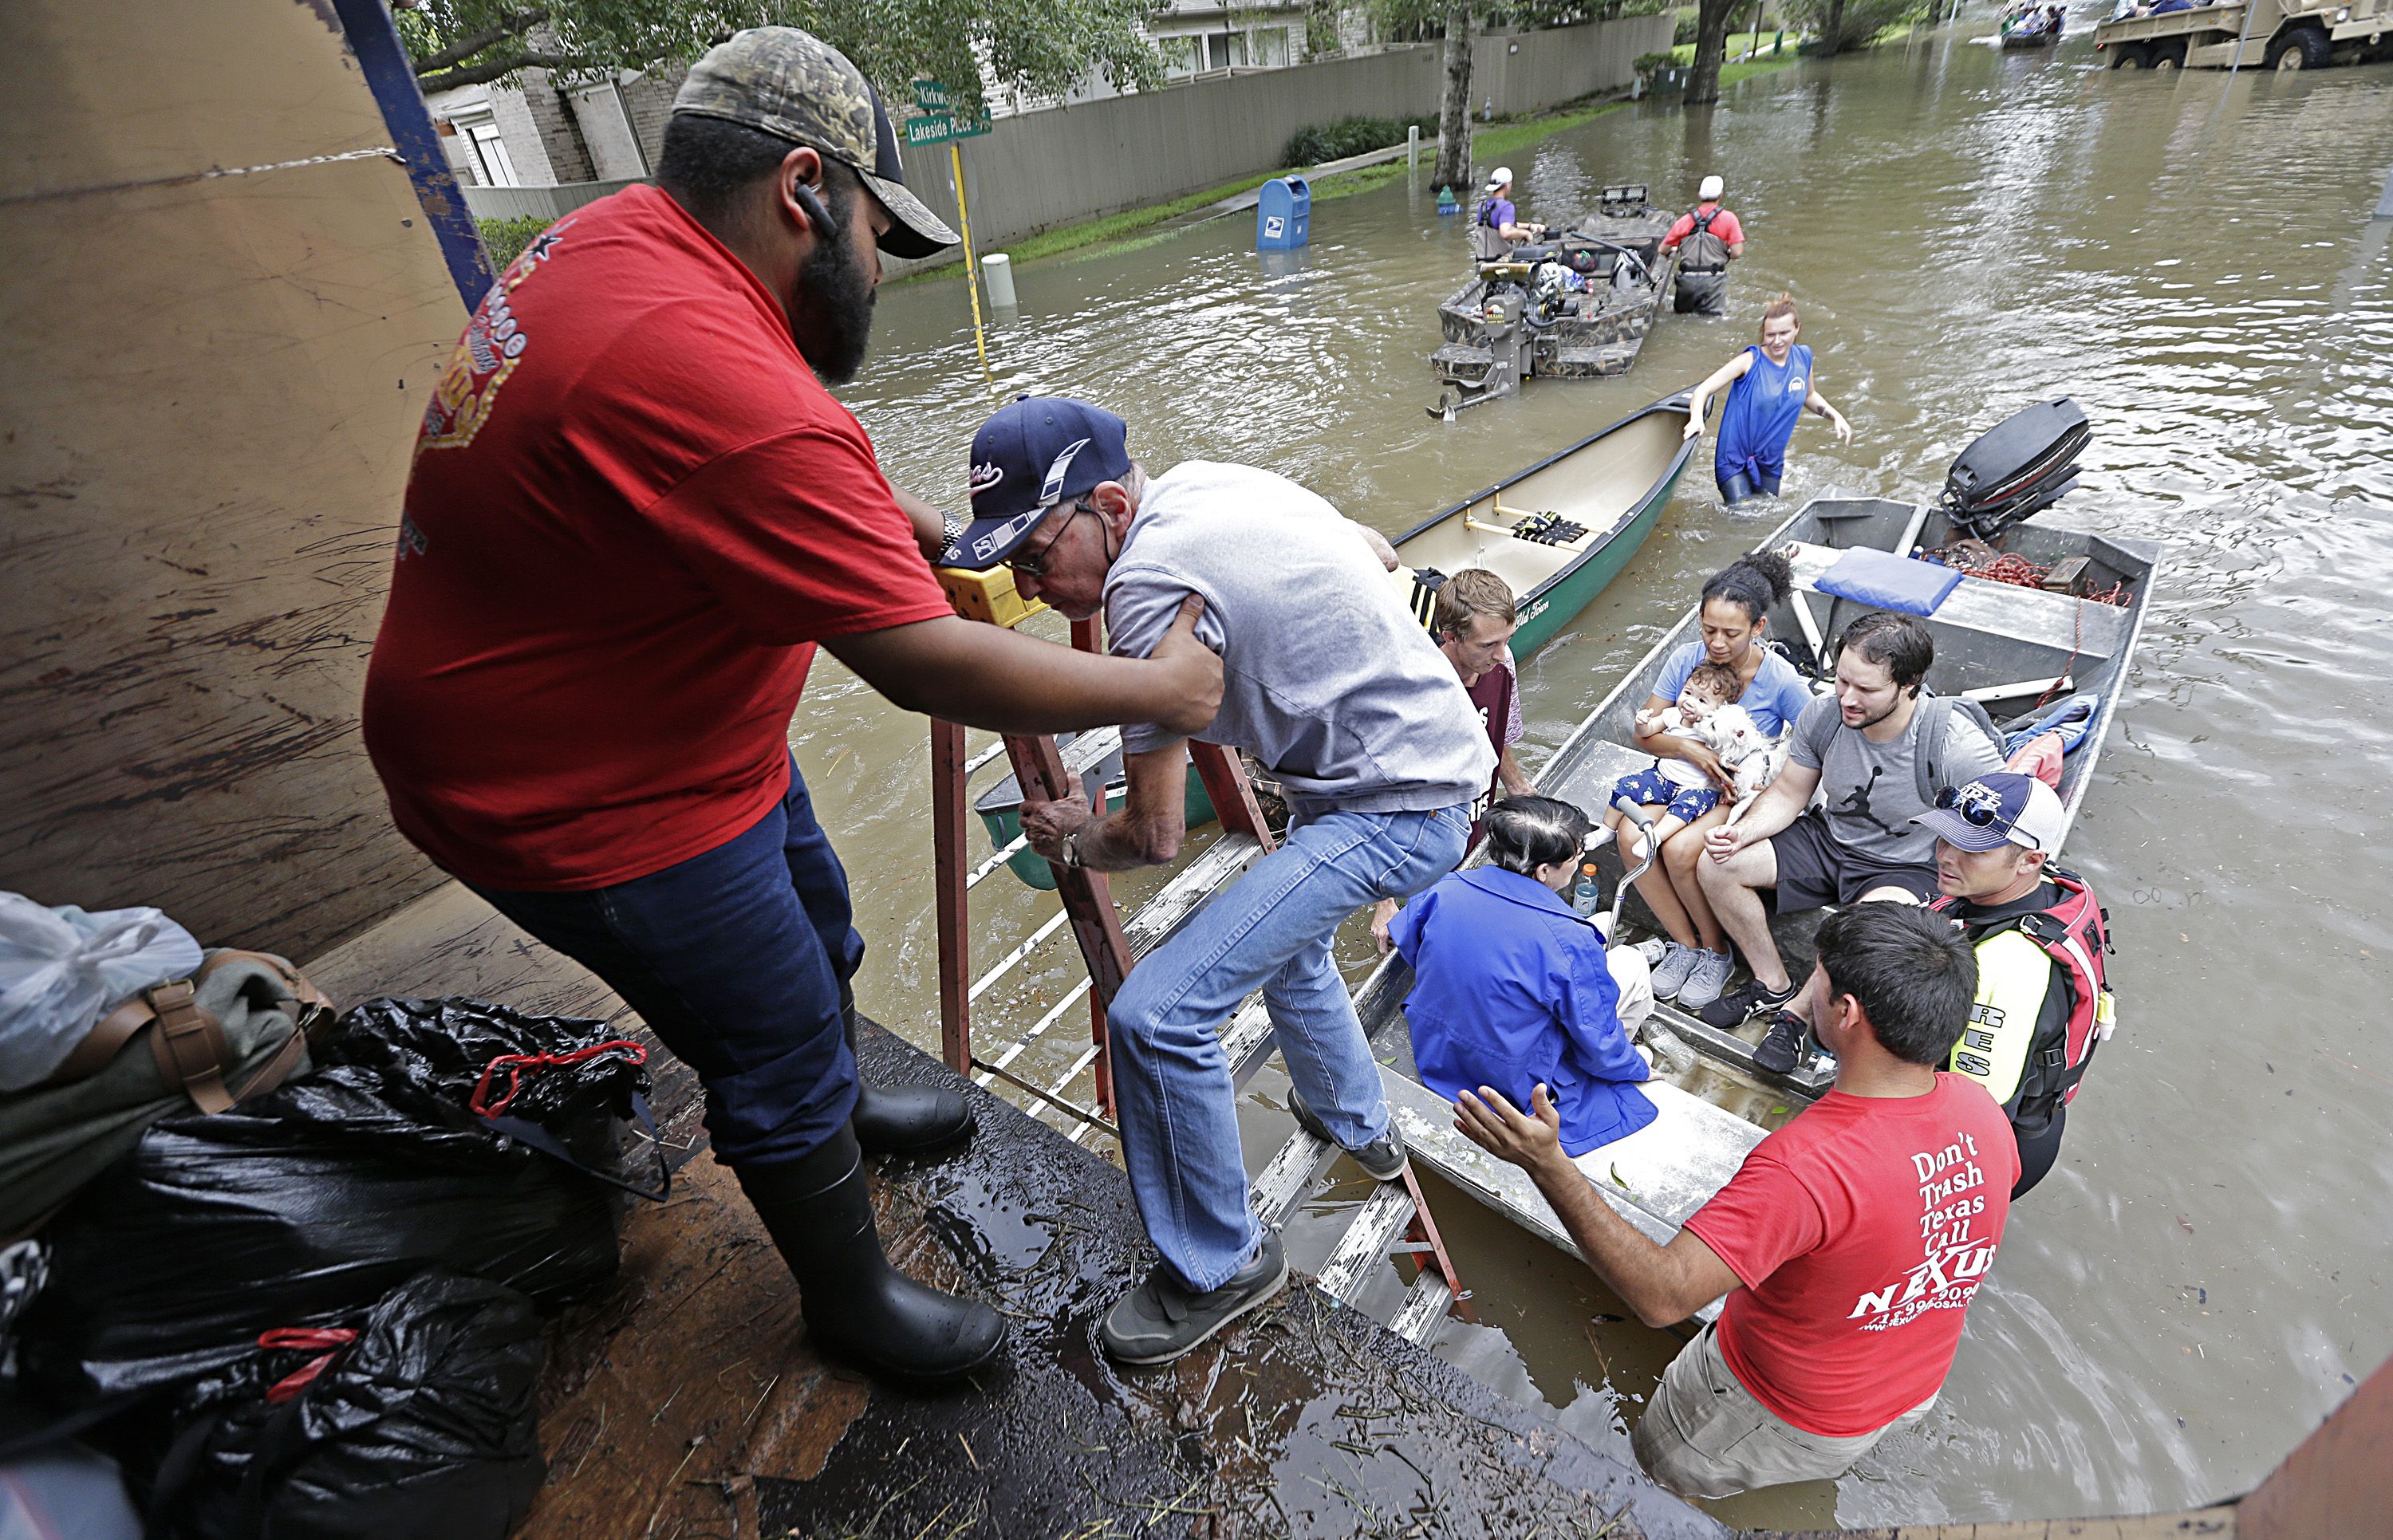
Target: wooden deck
x=689, y=1402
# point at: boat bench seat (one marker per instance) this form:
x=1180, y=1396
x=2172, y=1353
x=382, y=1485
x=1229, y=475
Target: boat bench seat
x=2030, y=615
x=1654, y=1178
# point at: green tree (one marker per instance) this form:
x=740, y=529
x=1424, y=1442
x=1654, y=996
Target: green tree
x=1042, y=47
x=1455, y=22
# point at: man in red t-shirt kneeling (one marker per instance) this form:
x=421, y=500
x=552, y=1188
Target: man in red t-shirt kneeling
x=1849, y=1244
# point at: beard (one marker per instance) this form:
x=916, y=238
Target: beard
x=833, y=320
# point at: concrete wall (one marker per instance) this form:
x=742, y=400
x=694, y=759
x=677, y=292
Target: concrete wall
x=1037, y=170
x=211, y=397
x=1043, y=169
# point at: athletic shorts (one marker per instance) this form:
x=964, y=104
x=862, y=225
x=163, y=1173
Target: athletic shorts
x=1815, y=871
x=1650, y=787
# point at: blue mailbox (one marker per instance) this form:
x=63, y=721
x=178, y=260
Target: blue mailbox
x=1284, y=215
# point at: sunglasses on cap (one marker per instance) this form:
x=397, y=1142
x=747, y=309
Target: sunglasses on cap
x=1977, y=812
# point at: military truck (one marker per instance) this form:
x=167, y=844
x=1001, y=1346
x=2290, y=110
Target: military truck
x=2276, y=34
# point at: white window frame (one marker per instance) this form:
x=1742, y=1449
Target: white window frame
x=482, y=136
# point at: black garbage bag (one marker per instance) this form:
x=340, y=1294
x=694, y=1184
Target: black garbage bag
x=423, y=1422
x=295, y=1209
x=567, y=1086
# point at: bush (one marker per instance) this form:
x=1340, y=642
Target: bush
x=1857, y=28
x=1690, y=23
x=1335, y=141
x=1645, y=64
x=505, y=239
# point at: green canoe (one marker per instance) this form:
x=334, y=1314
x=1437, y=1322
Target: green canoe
x=1560, y=530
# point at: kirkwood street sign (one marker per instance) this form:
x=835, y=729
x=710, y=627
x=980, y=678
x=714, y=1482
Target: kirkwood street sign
x=935, y=120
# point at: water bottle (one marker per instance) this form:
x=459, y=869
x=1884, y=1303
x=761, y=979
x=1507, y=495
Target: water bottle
x=1587, y=896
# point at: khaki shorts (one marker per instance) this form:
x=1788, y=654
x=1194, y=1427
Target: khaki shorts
x=1704, y=1434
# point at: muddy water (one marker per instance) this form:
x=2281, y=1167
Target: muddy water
x=2206, y=1272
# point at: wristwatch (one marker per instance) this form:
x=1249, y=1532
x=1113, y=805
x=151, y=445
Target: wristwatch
x=951, y=531
x=1072, y=852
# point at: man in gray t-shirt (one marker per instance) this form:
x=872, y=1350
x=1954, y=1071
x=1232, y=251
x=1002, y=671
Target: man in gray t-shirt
x=1331, y=684
x=1861, y=752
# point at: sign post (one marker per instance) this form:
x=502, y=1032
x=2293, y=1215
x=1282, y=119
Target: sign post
x=935, y=121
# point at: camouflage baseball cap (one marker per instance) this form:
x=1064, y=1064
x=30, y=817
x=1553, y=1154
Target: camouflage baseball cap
x=795, y=87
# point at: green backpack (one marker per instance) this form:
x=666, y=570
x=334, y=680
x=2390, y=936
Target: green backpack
x=237, y=1028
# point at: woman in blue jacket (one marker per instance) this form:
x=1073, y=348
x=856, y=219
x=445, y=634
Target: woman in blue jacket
x=1510, y=989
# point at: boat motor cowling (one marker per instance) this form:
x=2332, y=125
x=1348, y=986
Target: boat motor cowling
x=2023, y=464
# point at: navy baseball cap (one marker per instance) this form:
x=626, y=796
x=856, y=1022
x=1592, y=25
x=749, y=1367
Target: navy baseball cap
x=1035, y=452
x=2003, y=808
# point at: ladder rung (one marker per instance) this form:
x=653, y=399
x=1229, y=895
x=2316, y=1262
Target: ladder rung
x=1246, y=1041
x=1364, y=1245
x=1424, y=1309
x=1021, y=842
x=1085, y=1114
x=1005, y=965
x=1085, y=752
x=1287, y=1179
x=1187, y=891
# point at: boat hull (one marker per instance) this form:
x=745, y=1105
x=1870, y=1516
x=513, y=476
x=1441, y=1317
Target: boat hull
x=1614, y=483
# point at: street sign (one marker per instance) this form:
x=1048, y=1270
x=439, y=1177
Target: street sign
x=935, y=120
x=942, y=128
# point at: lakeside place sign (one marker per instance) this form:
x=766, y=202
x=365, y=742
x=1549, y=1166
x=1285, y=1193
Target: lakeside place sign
x=935, y=120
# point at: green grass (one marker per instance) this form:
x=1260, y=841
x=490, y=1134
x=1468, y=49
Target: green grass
x=1132, y=229
x=1762, y=64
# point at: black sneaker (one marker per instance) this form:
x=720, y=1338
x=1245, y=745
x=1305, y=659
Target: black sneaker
x=1163, y=1318
x=1383, y=1159
x=1744, y=1002
x=1781, y=1051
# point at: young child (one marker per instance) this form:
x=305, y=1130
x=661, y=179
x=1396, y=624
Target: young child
x=1706, y=712
x=1683, y=792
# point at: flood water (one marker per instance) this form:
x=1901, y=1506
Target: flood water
x=2190, y=256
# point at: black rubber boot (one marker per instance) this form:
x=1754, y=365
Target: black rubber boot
x=904, y=1119
x=858, y=1307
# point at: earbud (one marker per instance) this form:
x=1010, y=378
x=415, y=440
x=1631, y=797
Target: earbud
x=811, y=206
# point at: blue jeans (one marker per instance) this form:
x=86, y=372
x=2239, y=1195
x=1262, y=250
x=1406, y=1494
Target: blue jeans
x=739, y=960
x=1271, y=931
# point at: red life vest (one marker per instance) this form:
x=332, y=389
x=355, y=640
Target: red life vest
x=2076, y=934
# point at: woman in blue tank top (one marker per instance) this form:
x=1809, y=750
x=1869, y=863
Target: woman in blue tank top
x=1769, y=387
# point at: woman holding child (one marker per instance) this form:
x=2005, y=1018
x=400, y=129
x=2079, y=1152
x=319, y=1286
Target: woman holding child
x=1687, y=789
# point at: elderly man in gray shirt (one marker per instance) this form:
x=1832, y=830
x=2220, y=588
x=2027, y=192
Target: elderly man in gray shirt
x=1333, y=686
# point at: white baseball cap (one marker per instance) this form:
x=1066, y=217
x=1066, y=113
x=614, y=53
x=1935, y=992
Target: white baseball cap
x=2002, y=808
x=1498, y=176
x=1711, y=190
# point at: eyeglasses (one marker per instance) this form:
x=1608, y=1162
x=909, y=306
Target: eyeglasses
x=1977, y=812
x=1036, y=566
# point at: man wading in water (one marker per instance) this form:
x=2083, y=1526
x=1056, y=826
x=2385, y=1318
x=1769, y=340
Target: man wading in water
x=634, y=512
x=1331, y=683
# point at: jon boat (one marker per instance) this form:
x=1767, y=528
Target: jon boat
x=1556, y=533
x=2009, y=646
x=2030, y=25
x=1513, y=321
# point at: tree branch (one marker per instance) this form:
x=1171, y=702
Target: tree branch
x=513, y=25
x=478, y=75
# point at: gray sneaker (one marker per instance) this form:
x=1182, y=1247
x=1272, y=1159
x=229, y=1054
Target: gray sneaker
x=1706, y=980
x=1671, y=973
x=1163, y=1318
x=1382, y=1159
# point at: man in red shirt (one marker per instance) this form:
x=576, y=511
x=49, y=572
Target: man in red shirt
x=1849, y=1244
x=634, y=513
x=1713, y=239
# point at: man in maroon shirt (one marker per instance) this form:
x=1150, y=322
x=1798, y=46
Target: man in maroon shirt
x=1850, y=1243
x=633, y=513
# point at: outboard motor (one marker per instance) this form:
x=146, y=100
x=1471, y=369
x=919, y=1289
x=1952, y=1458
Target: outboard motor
x=2021, y=466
